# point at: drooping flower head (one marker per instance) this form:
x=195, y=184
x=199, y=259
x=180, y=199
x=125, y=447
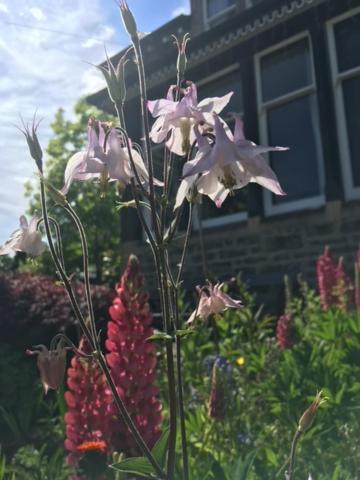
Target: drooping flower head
x=233, y=162
x=177, y=119
x=132, y=360
x=106, y=158
x=25, y=239
x=212, y=301
x=51, y=364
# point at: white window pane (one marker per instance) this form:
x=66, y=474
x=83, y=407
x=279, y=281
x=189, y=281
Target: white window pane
x=214, y=7
x=347, y=37
x=286, y=70
x=295, y=125
x=351, y=93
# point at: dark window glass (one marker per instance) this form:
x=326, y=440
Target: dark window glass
x=294, y=125
x=214, y=7
x=233, y=204
x=222, y=86
x=347, y=36
x=351, y=92
x=286, y=70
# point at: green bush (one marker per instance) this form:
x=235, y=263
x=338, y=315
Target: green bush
x=268, y=388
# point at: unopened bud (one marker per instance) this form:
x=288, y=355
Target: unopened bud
x=182, y=59
x=54, y=193
x=33, y=143
x=128, y=19
x=309, y=415
x=115, y=79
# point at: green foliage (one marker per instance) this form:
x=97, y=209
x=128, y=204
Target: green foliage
x=140, y=465
x=268, y=389
x=30, y=463
x=98, y=213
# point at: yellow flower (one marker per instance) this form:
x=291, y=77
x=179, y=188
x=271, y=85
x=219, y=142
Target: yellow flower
x=240, y=361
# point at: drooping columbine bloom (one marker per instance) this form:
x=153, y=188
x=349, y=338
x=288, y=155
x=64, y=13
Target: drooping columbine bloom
x=51, y=364
x=180, y=117
x=88, y=399
x=132, y=360
x=106, y=157
x=206, y=184
x=25, y=239
x=235, y=162
x=212, y=301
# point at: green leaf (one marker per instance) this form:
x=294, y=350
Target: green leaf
x=136, y=466
x=159, y=449
x=243, y=466
x=184, y=333
x=160, y=336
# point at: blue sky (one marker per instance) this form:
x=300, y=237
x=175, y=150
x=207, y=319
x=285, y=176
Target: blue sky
x=45, y=50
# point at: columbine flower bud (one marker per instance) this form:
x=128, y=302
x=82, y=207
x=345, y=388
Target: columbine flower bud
x=33, y=143
x=181, y=59
x=308, y=416
x=128, y=19
x=54, y=193
x=51, y=364
x=115, y=79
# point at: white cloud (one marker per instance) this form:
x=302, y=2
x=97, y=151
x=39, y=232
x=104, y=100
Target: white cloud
x=43, y=70
x=183, y=9
x=37, y=13
x=3, y=8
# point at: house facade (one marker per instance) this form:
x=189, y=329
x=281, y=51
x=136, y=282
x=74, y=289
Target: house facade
x=294, y=67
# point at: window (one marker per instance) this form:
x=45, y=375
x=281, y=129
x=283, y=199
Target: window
x=235, y=207
x=288, y=116
x=344, y=47
x=217, y=8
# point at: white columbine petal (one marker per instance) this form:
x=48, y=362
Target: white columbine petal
x=235, y=162
x=26, y=239
x=178, y=118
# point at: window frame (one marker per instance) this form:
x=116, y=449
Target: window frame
x=208, y=20
x=231, y=217
x=262, y=106
x=351, y=191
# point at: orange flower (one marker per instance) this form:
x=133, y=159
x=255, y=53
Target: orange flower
x=92, y=446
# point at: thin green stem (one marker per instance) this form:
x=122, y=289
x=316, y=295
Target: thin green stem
x=290, y=473
x=145, y=119
x=56, y=225
x=85, y=251
x=164, y=286
x=61, y=270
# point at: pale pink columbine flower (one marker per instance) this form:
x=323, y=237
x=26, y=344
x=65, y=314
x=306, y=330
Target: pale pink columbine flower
x=212, y=301
x=106, y=156
x=206, y=184
x=179, y=117
x=51, y=364
x=25, y=239
x=235, y=162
